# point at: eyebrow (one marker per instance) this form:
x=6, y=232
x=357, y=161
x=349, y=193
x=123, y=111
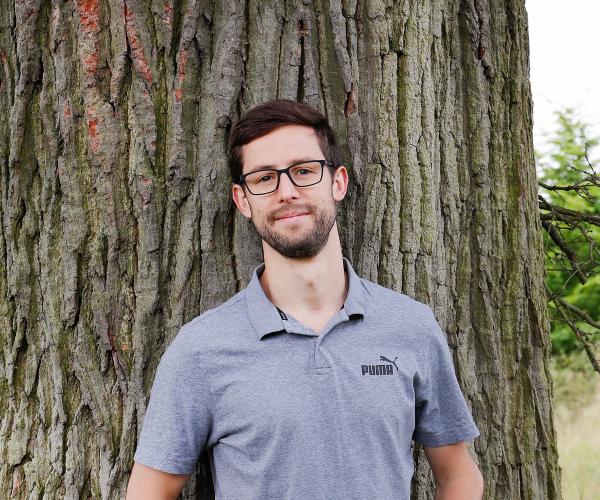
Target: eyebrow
x=263, y=167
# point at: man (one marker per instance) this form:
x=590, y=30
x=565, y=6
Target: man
x=312, y=382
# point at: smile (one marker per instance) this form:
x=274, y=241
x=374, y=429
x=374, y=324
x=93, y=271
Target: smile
x=292, y=219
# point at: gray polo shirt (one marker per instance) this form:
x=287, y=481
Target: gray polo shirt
x=287, y=413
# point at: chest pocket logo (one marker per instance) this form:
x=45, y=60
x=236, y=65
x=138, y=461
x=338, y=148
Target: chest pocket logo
x=387, y=369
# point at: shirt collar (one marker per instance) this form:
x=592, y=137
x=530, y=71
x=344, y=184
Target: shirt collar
x=265, y=317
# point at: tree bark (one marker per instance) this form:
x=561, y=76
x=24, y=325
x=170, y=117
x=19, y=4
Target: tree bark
x=118, y=226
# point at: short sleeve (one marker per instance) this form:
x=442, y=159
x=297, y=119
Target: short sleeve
x=178, y=418
x=441, y=413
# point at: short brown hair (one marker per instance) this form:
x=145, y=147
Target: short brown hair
x=266, y=117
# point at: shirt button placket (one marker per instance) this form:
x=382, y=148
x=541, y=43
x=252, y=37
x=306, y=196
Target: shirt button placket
x=320, y=362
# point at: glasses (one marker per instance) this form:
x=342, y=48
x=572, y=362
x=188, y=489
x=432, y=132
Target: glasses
x=303, y=174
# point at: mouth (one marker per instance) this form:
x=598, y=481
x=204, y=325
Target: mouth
x=292, y=218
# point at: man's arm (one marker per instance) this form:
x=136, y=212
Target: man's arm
x=146, y=483
x=456, y=474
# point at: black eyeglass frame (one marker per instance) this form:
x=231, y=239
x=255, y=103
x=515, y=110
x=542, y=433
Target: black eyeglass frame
x=242, y=179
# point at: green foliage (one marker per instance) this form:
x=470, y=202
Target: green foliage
x=576, y=277
x=571, y=148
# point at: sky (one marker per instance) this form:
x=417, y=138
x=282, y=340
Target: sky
x=564, y=40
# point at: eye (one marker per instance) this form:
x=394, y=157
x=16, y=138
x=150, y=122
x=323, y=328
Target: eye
x=306, y=169
x=265, y=178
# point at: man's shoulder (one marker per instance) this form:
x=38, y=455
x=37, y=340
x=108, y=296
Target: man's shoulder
x=395, y=311
x=210, y=325
x=387, y=298
x=231, y=309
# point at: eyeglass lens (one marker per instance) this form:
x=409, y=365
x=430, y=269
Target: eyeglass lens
x=303, y=174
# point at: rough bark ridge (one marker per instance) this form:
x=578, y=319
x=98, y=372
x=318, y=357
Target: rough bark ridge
x=117, y=225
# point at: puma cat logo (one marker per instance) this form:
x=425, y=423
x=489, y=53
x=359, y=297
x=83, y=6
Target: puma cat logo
x=380, y=369
x=383, y=358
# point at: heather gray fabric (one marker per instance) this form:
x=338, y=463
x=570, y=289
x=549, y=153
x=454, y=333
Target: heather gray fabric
x=289, y=414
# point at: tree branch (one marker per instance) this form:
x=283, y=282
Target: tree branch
x=587, y=345
x=583, y=316
x=583, y=337
x=568, y=251
x=567, y=215
x=586, y=182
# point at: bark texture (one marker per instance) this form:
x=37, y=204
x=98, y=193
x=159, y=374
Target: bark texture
x=117, y=224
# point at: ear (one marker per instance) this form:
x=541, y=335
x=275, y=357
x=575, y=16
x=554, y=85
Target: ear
x=339, y=185
x=239, y=198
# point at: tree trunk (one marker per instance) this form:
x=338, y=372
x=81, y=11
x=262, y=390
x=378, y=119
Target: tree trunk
x=118, y=226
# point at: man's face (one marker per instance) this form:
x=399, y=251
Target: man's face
x=304, y=235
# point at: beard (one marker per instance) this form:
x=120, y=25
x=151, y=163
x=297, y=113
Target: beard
x=303, y=242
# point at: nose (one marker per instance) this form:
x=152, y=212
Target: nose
x=286, y=188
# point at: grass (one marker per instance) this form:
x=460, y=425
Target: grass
x=577, y=421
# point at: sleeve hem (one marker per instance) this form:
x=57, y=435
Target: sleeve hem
x=164, y=464
x=464, y=433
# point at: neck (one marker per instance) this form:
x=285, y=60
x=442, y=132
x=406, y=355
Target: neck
x=314, y=285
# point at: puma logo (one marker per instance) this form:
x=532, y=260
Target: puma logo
x=383, y=358
x=380, y=369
